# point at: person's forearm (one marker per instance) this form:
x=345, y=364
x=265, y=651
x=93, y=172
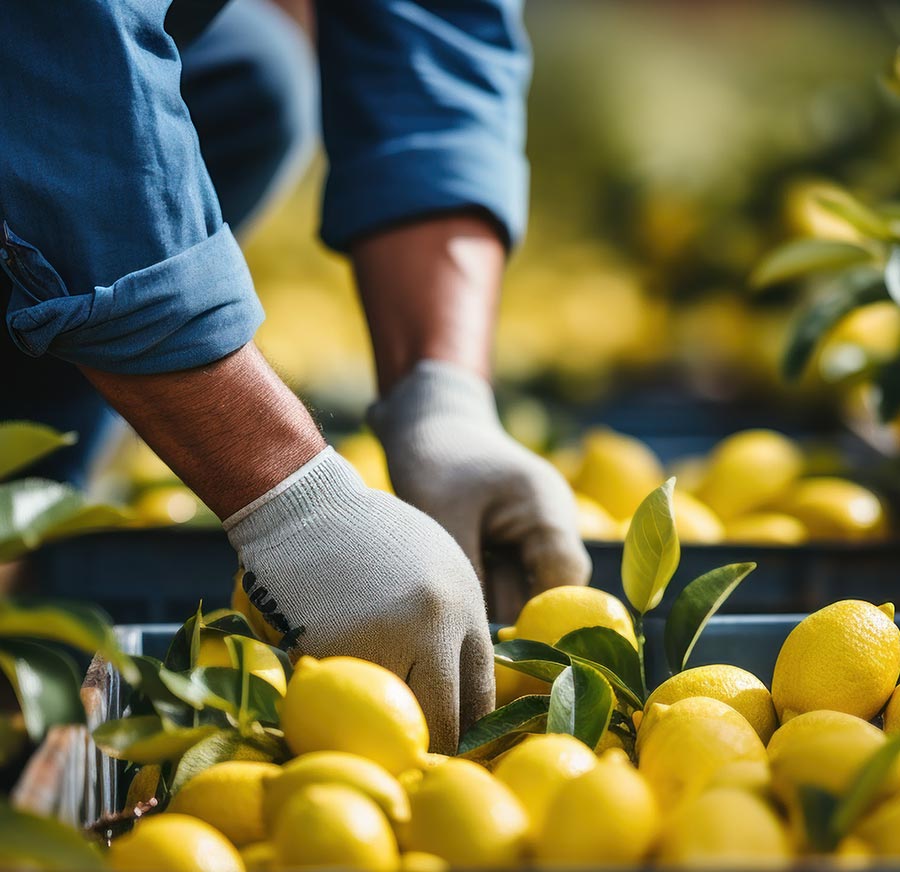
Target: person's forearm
x=231, y=430
x=430, y=290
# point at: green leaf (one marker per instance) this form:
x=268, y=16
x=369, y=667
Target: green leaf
x=46, y=683
x=888, y=381
x=533, y=658
x=485, y=737
x=801, y=257
x=695, y=605
x=24, y=442
x=154, y=690
x=856, y=213
x=818, y=808
x=147, y=739
x=36, y=510
x=612, y=654
x=82, y=626
x=31, y=842
x=13, y=738
x=221, y=688
x=225, y=745
x=821, y=317
x=866, y=786
x=581, y=703
x=652, y=550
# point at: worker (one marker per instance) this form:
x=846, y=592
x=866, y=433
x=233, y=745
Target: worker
x=136, y=135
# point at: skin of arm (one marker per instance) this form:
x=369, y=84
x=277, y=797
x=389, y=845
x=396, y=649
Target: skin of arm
x=231, y=430
x=430, y=290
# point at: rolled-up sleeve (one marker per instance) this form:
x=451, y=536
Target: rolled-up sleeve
x=423, y=112
x=113, y=245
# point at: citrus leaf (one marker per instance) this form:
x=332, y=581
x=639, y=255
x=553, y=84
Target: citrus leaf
x=533, y=658
x=82, y=626
x=46, y=683
x=36, y=510
x=24, y=442
x=31, y=842
x=166, y=704
x=888, y=381
x=819, y=318
x=611, y=653
x=225, y=745
x=695, y=605
x=221, y=688
x=865, y=787
x=524, y=715
x=818, y=807
x=146, y=739
x=581, y=703
x=855, y=213
x=652, y=550
x=801, y=257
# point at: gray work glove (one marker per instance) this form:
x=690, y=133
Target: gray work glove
x=340, y=568
x=449, y=455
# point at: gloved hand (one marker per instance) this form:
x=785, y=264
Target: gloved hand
x=343, y=569
x=449, y=455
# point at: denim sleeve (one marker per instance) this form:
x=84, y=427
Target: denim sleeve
x=423, y=111
x=112, y=241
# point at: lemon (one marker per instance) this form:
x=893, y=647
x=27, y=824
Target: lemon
x=880, y=830
x=174, y=842
x=844, y=657
x=335, y=767
x=419, y=861
x=467, y=817
x=594, y=522
x=260, y=659
x=346, y=704
x=766, y=528
x=809, y=724
x=229, y=796
x=740, y=689
x=607, y=816
x=510, y=684
x=682, y=746
x=617, y=471
x=537, y=768
x=258, y=857
x=548, y=616
x=364, y=451
x=240, y=602
x=695, y=522
x=748, y=470
x=163, y=505
x=892, y=714
x=724, y=827
x=690, y=473
x=333, y=825
x=752, y=775
x=832, y=508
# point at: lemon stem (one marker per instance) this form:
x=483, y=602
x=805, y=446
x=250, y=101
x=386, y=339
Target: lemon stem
x=639, y=634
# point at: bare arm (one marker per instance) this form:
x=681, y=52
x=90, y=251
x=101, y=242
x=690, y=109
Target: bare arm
x=231, y=430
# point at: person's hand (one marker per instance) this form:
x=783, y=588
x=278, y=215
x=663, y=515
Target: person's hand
x=449, y=456
x=340, y=568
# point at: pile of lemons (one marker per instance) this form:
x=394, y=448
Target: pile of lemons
x=715, y=777
x=751, y=488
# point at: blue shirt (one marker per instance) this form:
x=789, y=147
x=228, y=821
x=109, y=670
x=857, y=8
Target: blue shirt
x=113, y=240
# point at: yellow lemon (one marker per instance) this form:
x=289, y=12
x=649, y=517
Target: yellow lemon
x=260, y=659
x=240, y=602
x=464, y=815
x=844, y=657
x=880, y=830
x=766, y=528
x=347, y=704
x=685, y=744
x=617, y=471
x=740, y=689
x=594, y=522
x=174, y=842
x=510, y=684
x=835, y=509
x=752, y=775
x=607, y=816
x=696, y=523
x=892, y=714
x=419, y=861
x=163, y=505
x=258, y=857
x=334, y=825
x=537, y=768
x=725, y=827
x=690, y=473
x=748, y=470
x=364, y=451
x=797, y=730
x=229, y=796
x=335, y=767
